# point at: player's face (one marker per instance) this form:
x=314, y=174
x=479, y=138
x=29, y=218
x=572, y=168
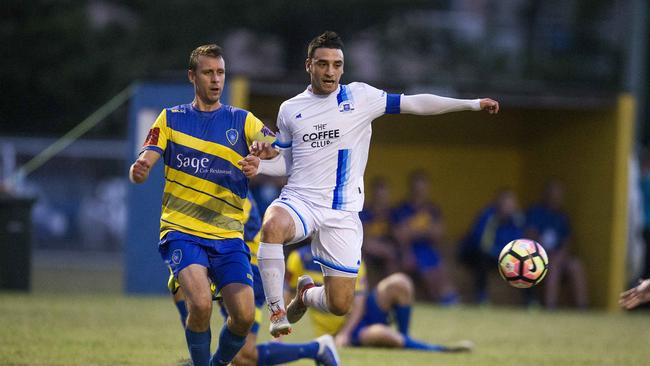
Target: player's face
x=325, y=68
x=208, y=79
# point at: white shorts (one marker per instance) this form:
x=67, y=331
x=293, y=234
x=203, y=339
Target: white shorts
x=337, y=235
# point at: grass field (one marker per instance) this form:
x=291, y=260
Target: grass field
x=99, y=329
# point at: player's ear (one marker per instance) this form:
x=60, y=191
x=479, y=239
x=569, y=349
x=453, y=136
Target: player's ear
x=308, y=64
x=191, y=75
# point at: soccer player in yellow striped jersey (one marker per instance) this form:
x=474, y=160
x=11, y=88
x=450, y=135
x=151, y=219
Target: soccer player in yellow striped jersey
x=368, y=324
x=322, y=349
x=202, y=221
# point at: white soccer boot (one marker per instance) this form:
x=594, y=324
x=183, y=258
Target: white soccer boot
x=327, y=354
x=297, y=308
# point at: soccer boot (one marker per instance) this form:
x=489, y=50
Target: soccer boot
x=297, y=307
x=279, y=325
x=462, y=346
x=327, y=354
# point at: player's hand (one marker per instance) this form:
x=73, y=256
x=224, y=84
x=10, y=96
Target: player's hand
x=635, y=296
x=342, y=340
x=263, y=150
x=139, y=171
x=489, y=105
x=249, y=165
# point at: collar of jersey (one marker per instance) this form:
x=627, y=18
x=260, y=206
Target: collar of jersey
x=308, y=91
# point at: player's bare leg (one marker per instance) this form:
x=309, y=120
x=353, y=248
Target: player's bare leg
x=198, y=299
x=380, y=335
x=340, y=294
x=336, y=296
x=194, y=281
x=396, y=289
x=277, y=229
x=240, y=306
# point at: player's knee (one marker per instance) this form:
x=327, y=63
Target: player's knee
x=397, y=286
x=200, y=308
x=339, y=306
x=402, y=283
x=242, y=323
x=275, y=230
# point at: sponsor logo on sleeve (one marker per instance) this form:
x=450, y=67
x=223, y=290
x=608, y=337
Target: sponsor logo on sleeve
x=152, y=137
x=267, y=132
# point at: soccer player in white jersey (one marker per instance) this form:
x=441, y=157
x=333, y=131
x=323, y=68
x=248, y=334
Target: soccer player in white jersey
x=324, y=138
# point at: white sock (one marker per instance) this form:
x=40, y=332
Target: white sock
x=270, y=259
x=315, y=297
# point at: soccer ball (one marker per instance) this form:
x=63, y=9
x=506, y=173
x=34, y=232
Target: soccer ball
x=523, y=263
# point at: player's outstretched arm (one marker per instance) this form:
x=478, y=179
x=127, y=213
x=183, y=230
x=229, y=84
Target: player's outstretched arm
x=139, y=171
x=635, y=296
x=429, y=104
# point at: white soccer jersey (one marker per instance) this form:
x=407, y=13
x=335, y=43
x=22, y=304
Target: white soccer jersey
x=329, y=138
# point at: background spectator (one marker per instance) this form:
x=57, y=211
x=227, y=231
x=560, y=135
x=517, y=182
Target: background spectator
x=419, y=229
x=498, y=224
x=548, y=224
x=379, y=247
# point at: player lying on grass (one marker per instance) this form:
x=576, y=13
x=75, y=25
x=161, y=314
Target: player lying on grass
x=636, y=295
x=322, y=349
x=324, y=134
x=368, y=323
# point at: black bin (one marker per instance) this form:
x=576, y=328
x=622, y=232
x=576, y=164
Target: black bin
x=15, y=242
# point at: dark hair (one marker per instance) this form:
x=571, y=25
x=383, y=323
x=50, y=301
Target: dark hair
x=210, y=50
x=328, y=39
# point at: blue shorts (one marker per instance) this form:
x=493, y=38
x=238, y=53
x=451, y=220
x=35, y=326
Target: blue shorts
x=373, y=314
x=227, y=260
x=426, y=256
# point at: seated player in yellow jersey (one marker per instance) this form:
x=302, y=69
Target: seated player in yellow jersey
x=368, y=323
x=322, y=349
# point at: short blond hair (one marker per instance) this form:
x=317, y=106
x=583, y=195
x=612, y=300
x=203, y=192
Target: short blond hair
x=210, y=50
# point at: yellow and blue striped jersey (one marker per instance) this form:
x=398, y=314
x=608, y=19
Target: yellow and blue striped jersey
x=252, y=227
x=205, y=190
x=300, y=262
